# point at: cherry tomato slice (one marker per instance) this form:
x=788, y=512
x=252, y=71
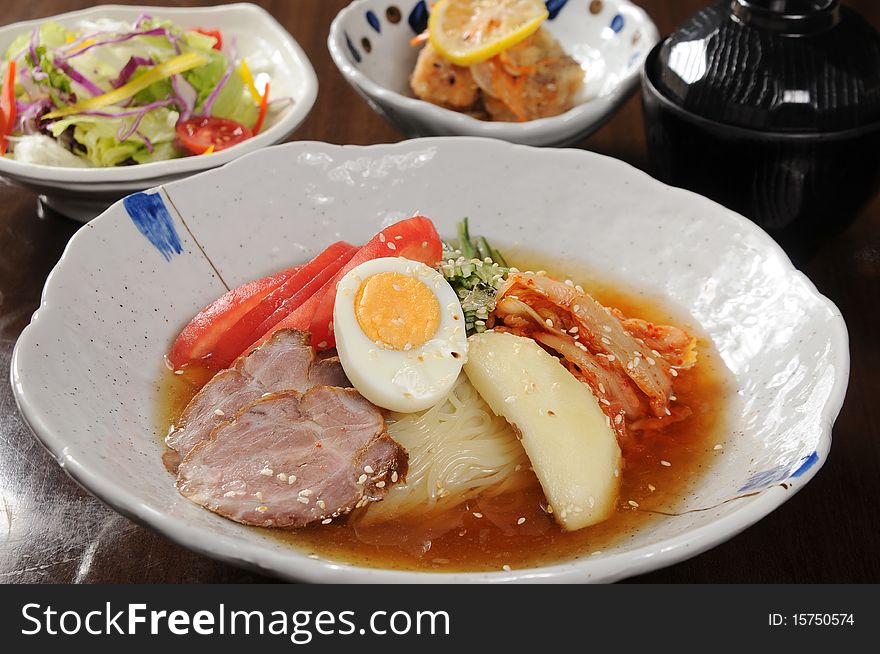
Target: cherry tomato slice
x=215, y=33
x=201, y=132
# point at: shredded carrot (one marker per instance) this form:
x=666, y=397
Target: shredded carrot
x=419, y=39
x=508, y=88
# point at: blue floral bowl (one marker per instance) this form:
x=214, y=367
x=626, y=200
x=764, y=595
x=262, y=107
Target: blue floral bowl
x=370, y=44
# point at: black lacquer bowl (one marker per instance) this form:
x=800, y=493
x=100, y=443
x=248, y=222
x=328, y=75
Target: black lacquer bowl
x=771, y=108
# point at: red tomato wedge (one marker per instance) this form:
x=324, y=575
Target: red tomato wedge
x=298, y=319
x=281, y=301
x=200, y=133
x=201, y=335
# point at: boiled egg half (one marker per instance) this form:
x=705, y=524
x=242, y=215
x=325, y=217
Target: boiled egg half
x=400, y=333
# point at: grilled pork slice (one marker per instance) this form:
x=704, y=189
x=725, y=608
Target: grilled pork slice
x=290, y=459
x=285, y=362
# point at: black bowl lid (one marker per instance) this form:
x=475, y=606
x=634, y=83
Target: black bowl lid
x=782, y=65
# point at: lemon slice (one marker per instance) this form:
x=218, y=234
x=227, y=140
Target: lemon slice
x=467, y=32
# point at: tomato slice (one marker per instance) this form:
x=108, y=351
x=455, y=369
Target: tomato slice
x=282, y=300
x=202, y=132
x=415, y=238
x=201, y=335
x=215, y=33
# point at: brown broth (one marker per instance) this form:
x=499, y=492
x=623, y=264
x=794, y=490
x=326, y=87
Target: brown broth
x=496, y=539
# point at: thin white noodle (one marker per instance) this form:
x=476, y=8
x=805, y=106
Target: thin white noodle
x=458, y=449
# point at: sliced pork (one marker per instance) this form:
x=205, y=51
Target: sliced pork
x=285, y=362
x=290, y=459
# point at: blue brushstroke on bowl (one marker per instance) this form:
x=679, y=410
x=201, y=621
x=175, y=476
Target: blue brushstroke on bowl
x=766, y=478
x=418, y=17
x=373, y=20
x=150, y=215
x=354, y=53
x=808, y=462
x=617, y=23
x=554, y=7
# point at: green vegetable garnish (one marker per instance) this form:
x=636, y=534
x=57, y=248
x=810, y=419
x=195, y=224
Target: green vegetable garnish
x=476, y=271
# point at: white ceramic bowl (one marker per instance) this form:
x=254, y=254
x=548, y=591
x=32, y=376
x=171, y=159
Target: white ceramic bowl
x=82, y=193
x=609, y=38
x=85, y=370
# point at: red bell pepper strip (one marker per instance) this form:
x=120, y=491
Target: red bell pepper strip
x=7, y=106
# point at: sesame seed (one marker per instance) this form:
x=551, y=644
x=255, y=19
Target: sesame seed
x=281, y=476
x=606, y=328
x=326, y=521
x=521, y=521
x=673, y=372
x=618, y=419
x=391, y=246
x=602, y=388
x=398, y=238
x=664, y=462
x=381, y=237
x=636, y=362
x=267, y=472
x=477, y=514
x=548, y=322
x=574, y=330
x=650, y=361
x=549, y=508
x=322, y=504
x=380, y=484
x=591, y=500
x=302, y=500
x=579, y=288
x=652, y=487
x=291, y=479
x=718, y=447
x=576, y=308
x=394, y=476
x=368, y=470
x=259, y=495
x=605, y=402
x=633, y=503
x=668, y=412
x=305, y=492
x=262, y=508
x=219, y=412
x=568, y=282
x=518, y=467
x=313, y=556
x=505, y=567
x=178, y=372
x=510, y=399
x=611, y=358
x=424, y=244
x=362, y=479
x=322, y=344
x=673, y=398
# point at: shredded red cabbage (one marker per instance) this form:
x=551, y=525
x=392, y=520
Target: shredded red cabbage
x=147, y=142
x=79, y=78
x=39, y=73
x=124, y=132
x=129, y=69
x=209, y=101
x=128, y=112
x=158, y=31
x=185, y=95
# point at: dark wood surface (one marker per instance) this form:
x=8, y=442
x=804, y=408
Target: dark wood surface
x=53, y=531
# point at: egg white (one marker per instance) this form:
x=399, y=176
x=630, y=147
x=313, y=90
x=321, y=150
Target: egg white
x=393, y=379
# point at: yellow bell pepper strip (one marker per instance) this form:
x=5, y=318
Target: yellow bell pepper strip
x=264, y=105
x=7, y=106
x=249, y=80
x=175, y=66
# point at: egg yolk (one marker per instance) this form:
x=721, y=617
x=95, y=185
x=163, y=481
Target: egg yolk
x=397, y=310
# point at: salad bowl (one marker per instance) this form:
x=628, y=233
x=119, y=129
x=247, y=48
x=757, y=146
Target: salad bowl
x=82, y=193
x=370, y=44
x=85, y=371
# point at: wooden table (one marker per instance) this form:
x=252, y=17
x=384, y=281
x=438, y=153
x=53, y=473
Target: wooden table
x=53, y=531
